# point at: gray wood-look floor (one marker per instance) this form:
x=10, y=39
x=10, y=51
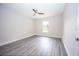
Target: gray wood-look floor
x=34, y=46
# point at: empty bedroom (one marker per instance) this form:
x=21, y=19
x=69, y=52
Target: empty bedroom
x=39, y=29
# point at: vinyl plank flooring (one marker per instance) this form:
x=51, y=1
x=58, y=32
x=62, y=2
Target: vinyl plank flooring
x=34, y=46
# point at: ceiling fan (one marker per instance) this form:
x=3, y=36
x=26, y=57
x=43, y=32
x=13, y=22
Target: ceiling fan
x=36, y=12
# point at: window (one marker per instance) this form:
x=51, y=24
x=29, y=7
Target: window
x=45, y=26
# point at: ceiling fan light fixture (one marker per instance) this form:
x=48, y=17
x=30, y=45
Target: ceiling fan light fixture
x=36, y=12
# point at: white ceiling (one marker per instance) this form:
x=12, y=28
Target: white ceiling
x=50, y=9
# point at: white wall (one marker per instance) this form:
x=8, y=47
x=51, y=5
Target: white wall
x=14, y=26
x=70, y=18
x=54, y=27
x=77, y=30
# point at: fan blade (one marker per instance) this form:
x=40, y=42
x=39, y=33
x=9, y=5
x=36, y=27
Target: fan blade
x=41, y=13
x=34, y=10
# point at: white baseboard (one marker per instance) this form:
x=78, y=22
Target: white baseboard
x=66, y=49
x=49, y=36
x=15, y=40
